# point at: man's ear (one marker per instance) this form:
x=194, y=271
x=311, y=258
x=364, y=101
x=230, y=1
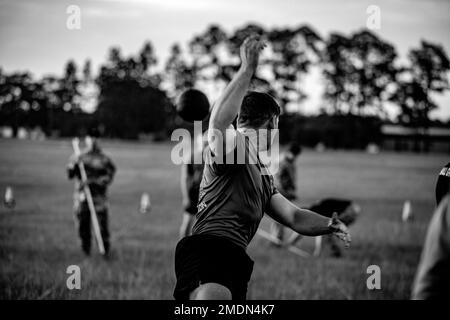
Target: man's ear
x=273, y=123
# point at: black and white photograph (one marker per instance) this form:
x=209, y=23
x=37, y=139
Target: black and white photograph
x=242, y=151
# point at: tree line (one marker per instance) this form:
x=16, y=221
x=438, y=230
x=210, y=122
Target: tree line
x=129, y=96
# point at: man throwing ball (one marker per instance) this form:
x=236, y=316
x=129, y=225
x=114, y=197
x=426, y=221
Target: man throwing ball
x=212, y=263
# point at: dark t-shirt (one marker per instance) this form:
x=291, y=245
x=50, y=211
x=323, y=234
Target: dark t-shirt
x=233, y=197
x=443, y=183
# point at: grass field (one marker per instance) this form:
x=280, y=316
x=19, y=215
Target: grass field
x=38, y=241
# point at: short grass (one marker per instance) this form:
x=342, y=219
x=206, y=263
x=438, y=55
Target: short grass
x=38, y=241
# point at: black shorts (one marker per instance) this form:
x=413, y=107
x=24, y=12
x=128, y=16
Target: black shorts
x=205, y=258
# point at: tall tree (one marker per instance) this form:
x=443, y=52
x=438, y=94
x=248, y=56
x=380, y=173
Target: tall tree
x=373, y=71
x=130, y=100
x=88, y=89
x=26, y=102
x=87, y=71
x=293, y=52
x=336, y=68
x=209, y=54
x=214, y=58
x=179, y=73
x=359, y=71
x=68, y=91
x=14, y=89
x=427, y=74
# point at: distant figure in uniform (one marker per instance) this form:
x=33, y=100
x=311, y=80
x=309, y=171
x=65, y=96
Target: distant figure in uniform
x=100, y=171
x=191, y=177
x=286, y=182
x=432, y=279
x=347, y=212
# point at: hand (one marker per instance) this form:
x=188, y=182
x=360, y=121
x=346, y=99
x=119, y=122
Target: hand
x=340, y=230
x=87, y=183
x=83, y=184
x=250, y=50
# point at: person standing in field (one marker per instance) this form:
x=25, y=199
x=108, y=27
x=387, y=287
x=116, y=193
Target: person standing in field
x=432, y=279
x=236, y=190
x=191, y=177
x=286, y=182
x=100, y=172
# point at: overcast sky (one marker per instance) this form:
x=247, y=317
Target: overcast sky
x=33, y=34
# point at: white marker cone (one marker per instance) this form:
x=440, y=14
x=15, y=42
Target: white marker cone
x=9, y=200
x=407, y=211
x=145, y=205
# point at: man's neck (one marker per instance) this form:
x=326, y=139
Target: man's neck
x=252, y=134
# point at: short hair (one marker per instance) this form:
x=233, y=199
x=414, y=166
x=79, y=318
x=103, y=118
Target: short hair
x=257, y=108
x=295, y=149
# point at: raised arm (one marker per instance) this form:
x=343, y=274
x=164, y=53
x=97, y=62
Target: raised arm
x=305, y=221
x=229, y=103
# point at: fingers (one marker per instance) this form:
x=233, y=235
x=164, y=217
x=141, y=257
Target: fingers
x=250, y=51
x=347, y=240
x=254, y=42
x=341, y=230
x=252, y=38
x=344, y=236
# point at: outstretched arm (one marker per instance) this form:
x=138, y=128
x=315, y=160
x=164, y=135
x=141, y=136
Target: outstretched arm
x=305, y=221
x=229, y=103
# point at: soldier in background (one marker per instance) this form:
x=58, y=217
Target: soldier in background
x=100, y=171
x=432, y=279
x=285, y=181
x=191, y=177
